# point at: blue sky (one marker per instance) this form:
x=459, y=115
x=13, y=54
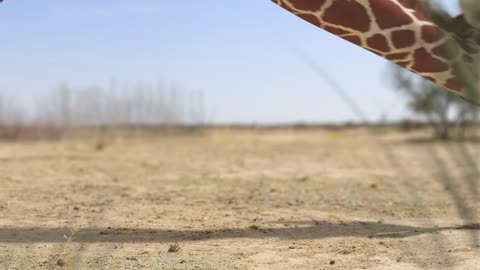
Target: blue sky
x=242, y=54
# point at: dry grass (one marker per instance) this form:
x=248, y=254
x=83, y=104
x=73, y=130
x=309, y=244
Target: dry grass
x=238, y=199
x=174, y=248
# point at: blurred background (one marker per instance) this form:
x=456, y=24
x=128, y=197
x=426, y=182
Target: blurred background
x=137, y=63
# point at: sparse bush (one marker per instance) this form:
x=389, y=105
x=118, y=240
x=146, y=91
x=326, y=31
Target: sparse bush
x=440, y=108
x=174, y=248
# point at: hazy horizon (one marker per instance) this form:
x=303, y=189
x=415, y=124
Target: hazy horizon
x=242, y=55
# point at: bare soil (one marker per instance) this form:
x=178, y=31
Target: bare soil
x=233, y=199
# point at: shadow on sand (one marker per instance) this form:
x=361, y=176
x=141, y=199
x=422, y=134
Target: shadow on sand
x=292, y=230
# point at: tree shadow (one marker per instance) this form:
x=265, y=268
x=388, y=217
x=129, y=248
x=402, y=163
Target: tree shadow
x=290, y=230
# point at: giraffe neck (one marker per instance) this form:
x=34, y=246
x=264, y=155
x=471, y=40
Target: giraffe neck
x=397, y=33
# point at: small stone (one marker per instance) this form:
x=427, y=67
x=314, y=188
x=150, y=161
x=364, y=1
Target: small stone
x=332, y=262
x=60, y=262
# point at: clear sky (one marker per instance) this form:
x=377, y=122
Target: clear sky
x=241, y=53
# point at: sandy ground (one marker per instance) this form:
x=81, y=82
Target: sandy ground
x=351, y=199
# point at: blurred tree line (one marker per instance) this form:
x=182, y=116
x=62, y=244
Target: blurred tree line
x=117, y=105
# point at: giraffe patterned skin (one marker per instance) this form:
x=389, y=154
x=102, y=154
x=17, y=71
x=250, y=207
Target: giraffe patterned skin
x=394, y=30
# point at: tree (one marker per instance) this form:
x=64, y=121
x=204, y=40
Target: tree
x=440, y=108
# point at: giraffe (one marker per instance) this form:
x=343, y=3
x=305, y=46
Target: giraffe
x=396, y=31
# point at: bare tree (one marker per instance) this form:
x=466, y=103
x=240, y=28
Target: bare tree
x=118, y=105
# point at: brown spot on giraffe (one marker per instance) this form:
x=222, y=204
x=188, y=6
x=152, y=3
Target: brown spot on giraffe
x=397, y=56
x=453, y=85
x=378, y=42
x=349, y=14
x=403, y=38
x=425, y=62
x=353, y=39
x=430, y=34
x=384, y=19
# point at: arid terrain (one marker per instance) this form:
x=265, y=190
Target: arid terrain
x=241, y=199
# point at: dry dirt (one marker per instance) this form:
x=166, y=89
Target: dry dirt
x=230, y=199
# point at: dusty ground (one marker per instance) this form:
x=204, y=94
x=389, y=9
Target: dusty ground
x=240, y=200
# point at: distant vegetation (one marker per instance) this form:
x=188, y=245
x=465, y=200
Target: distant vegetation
x=449, y=115
x=120, y=105
x=122, y=108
